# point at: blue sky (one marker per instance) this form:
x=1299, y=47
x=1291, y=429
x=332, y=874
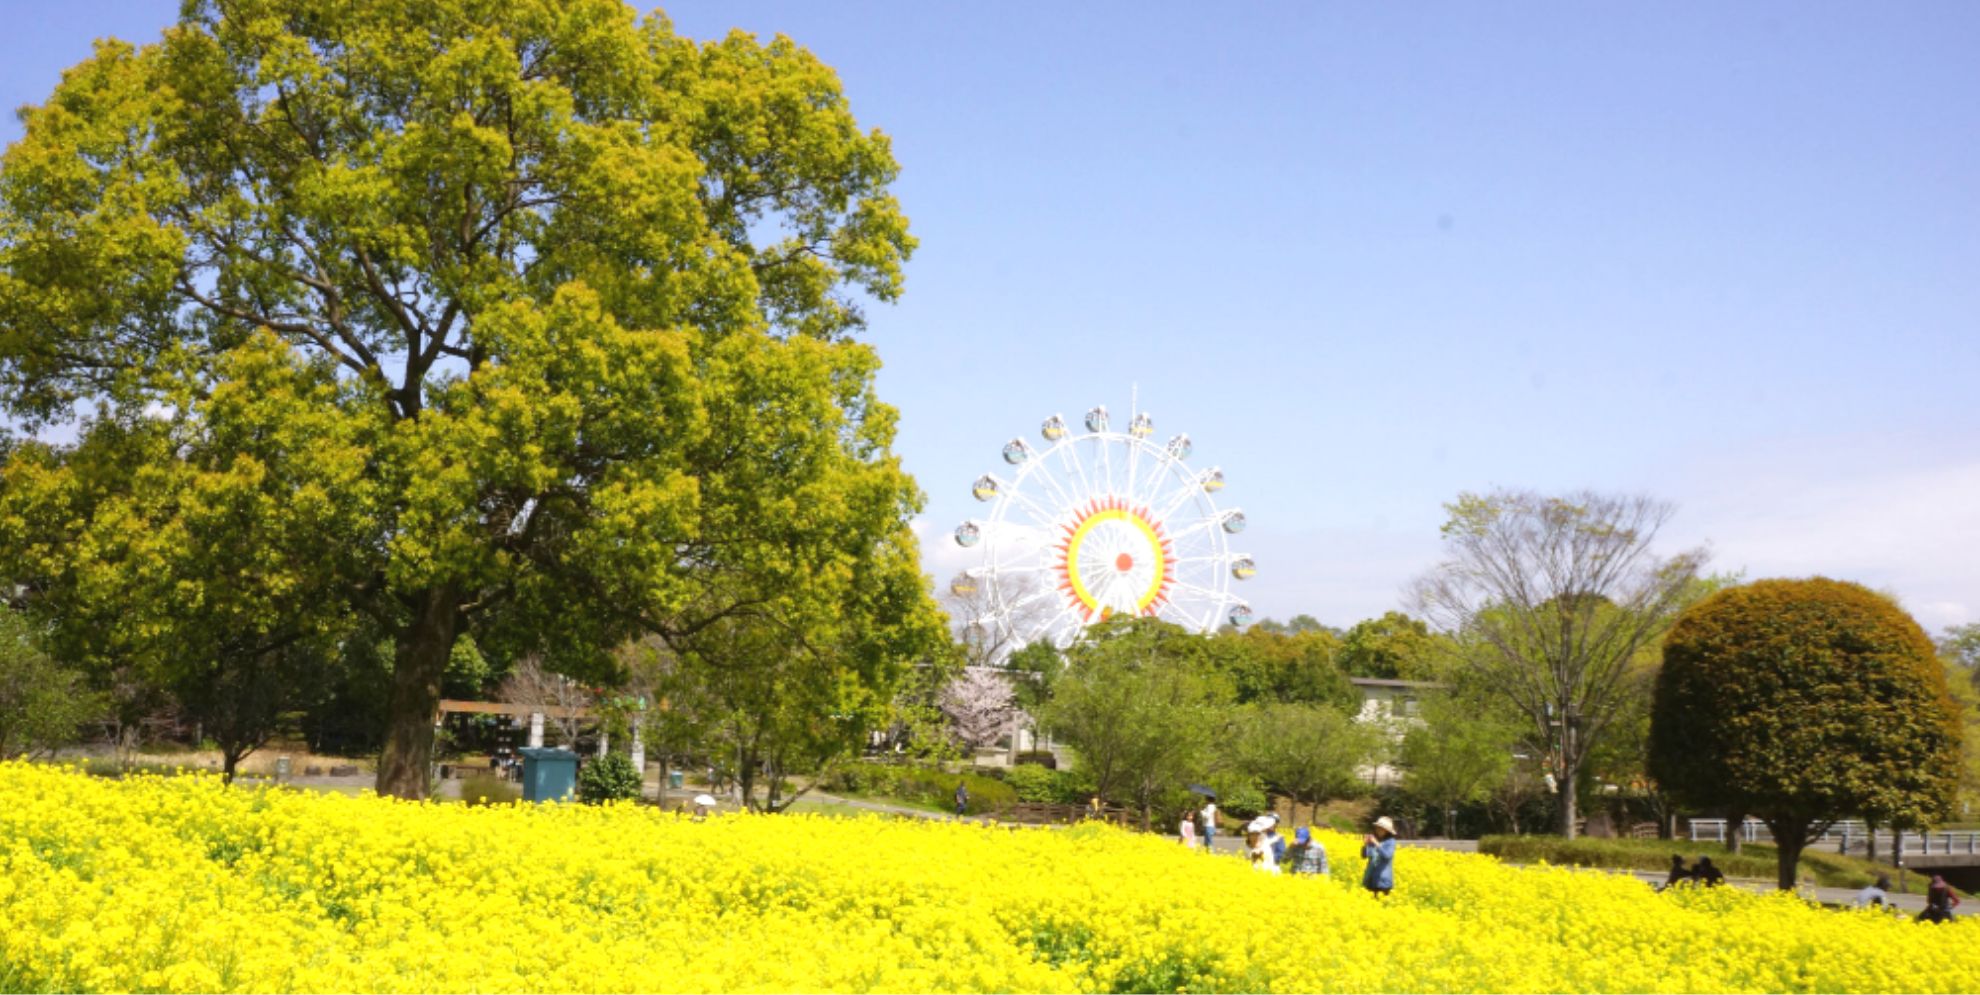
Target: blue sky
x=1370, y=256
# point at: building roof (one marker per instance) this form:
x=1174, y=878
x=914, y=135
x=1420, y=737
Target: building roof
x=1383, y=682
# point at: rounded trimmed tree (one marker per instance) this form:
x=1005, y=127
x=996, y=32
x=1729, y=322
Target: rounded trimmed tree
x=1800, y=701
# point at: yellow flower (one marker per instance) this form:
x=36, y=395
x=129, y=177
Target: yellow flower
x=183, y=884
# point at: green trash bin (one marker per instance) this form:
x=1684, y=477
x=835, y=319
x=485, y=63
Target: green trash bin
x=548, y=775
x=676, y=779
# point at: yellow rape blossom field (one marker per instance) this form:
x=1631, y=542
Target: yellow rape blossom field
x=183, y=884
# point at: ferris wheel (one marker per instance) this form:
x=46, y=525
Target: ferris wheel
x=1085, y=525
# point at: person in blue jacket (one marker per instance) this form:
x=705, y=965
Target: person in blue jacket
x=1379, y=847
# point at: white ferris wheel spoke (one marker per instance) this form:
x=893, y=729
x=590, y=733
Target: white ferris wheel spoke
x=1039, y=513
x=1159, y=476
x=1069, y=456
x=1182, y=497
x=1132, y=487
x=1051, y=483
x=1193, y=560
x=1193, y=528
x=1215, y=597
x=1070, y=613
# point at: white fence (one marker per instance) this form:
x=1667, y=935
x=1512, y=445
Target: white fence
x=1850, y=836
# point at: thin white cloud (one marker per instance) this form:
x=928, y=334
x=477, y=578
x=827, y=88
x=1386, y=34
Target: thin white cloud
x=1911, y=531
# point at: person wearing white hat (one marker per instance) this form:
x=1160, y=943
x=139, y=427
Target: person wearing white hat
x=1258, y=848
x=1379, y=847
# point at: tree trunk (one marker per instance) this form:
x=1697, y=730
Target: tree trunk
x=1870, y=840
x=1736, y=832
x=1570, y=773
x=230, y=761
x=423, y=651
x=746, y=774
x=1568, y=806
x=1790, y=837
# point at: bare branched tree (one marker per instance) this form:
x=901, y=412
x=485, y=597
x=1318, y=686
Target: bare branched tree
x=990, y=623
x=1549, y=599
x=560, y=699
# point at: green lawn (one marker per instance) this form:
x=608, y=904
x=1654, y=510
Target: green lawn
x=1756, y=860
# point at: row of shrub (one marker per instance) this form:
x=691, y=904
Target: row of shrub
x=1037, y=783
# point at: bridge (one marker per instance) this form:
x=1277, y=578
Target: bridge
x=1953, y=853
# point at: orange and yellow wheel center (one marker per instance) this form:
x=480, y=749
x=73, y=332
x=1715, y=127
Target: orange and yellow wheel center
x=1114, y=558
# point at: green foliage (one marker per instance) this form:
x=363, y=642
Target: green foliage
x=1961, y=644
x=1459, y=753
x=609, y=778
x=469, y=674
x=349, y=720
x=563, y=302
x=1033, y=783
x=1306, y=752
x=784, y=695
x=1801, y=701
x=1299, y=624
x=1036, y=669
x=1965, y=692
x=1139, y=707
x=487, y=789
x=43, y=705
x=1393, y=647
x=1290, y=667
x=1239, y=796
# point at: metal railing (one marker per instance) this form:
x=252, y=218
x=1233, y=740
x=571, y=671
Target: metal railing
x=1852, y=835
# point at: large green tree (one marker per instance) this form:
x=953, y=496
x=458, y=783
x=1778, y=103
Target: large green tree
x=205, y=545
x=587, y=287
x=1802, y=701
x=43, y=705
x=1139, y=708
x=1309, y=753
x=1549, y=600
x=1460, y=752
x=771, y=693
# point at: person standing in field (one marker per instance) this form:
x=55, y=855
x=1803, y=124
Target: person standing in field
x=1306, y=854
x=1258, y=846
x=1379, y=848
x=1275, y=841
x=1187, y=830
x=1209, y=815
x=1939, y=901
x=962, y=798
